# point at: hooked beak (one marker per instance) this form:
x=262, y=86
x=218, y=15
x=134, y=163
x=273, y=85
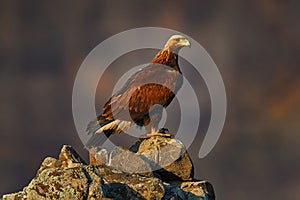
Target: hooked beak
x=184, y=42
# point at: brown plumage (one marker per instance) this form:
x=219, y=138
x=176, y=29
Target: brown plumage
x=156, y=84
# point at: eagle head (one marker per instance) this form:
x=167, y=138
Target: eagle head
x=176, y=42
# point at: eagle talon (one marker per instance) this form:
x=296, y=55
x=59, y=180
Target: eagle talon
x=149, y=135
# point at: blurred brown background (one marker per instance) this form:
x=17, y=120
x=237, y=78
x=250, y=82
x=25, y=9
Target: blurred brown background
x=254, y=44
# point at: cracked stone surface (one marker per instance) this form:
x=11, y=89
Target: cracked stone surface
x=167, y=157
x=69, y=177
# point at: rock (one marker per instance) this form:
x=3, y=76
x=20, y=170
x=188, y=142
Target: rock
x=62, y=183
x=122, y=185
x=98, y=157
x=68, y=183
x=49, y=162
x=69, y=157
x=167, y=157
x=14, y=196
x=69, y=177
x=199, y=188
x=126, y=161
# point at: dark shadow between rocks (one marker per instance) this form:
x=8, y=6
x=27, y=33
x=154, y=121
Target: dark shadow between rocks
x=120, y=191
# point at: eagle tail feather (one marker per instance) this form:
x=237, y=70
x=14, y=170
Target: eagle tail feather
x=100, y=133
x=116, y=125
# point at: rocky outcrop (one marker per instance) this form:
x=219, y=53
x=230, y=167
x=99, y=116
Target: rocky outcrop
x=167, y=157
x=122, y=174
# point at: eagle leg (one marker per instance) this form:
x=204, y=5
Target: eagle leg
x=163, y=132
x=149, y=135
x=155, y=115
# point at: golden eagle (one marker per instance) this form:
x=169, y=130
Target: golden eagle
x=155, y=84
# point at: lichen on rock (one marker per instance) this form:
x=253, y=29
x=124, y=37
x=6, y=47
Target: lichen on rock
x=118, y=175
x=167, y=157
